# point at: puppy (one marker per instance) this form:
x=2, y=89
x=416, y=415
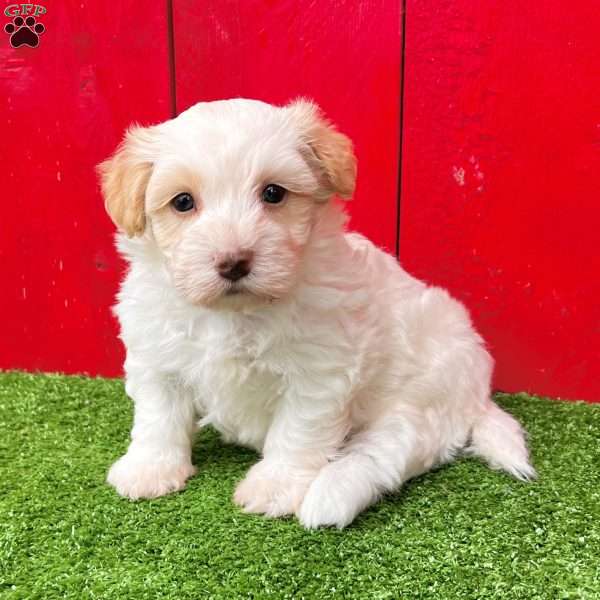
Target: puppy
x=247, y=306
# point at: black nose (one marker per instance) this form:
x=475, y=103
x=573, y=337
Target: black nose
x=235, y=267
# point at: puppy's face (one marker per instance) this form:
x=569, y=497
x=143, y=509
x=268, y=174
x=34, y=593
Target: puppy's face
x=229, y=192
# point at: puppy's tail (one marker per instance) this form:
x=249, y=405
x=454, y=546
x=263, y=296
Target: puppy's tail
x=499, y=439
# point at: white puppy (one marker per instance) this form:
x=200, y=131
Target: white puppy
x=247, y=305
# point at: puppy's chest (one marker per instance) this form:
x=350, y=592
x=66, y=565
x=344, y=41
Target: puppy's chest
x=239, y=381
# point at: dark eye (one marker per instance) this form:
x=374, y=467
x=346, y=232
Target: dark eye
x=273, y=194
x=183, y=202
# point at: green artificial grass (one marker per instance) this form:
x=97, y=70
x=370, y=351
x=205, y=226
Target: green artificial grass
x=460, y=532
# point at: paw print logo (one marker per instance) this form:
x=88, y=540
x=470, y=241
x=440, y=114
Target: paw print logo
x=24, y=32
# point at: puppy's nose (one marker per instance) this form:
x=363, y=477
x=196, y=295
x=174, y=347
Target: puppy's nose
x=235, y=266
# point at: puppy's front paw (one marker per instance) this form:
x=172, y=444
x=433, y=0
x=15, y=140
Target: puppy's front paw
x=272, y=489
x=135, y=478
x=329, y=502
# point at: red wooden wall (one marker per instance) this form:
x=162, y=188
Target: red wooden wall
x=65, y=105
x=500, y=144
x=501, y=179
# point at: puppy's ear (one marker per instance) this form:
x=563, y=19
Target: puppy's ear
x=124, y=178
x=331, y=150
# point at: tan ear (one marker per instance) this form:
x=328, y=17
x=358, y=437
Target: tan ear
x=124, y=178
x=333, y=150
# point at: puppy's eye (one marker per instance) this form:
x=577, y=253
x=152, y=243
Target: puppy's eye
x=183, y=202
x=273, y=194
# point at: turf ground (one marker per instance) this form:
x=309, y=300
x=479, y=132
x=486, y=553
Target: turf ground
x=460, y=532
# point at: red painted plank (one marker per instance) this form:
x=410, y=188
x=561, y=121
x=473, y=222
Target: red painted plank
x=501, y=179
x=344, y=54
x=65, y=104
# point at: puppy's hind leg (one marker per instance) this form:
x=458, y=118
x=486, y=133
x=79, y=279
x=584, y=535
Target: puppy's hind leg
x=376, y=460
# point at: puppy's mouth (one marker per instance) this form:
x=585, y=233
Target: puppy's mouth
x=235, y=290
x=239, y=290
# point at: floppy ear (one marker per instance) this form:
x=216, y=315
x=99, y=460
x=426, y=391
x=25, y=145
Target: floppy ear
x=332, y=151
x=124, y=178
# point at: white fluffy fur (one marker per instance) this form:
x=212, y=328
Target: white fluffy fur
x=348, y=375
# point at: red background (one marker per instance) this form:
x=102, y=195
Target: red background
x=477, y=128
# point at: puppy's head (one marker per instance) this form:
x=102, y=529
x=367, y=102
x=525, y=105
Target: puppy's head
x=230, y=192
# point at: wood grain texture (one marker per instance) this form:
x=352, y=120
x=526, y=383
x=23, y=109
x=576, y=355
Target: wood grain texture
x=65, y=105
x=501, y=157
x=345, y=54
x=501, y=179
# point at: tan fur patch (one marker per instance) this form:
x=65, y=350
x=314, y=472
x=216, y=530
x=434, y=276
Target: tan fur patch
x=333, y=150
x=124, y=178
